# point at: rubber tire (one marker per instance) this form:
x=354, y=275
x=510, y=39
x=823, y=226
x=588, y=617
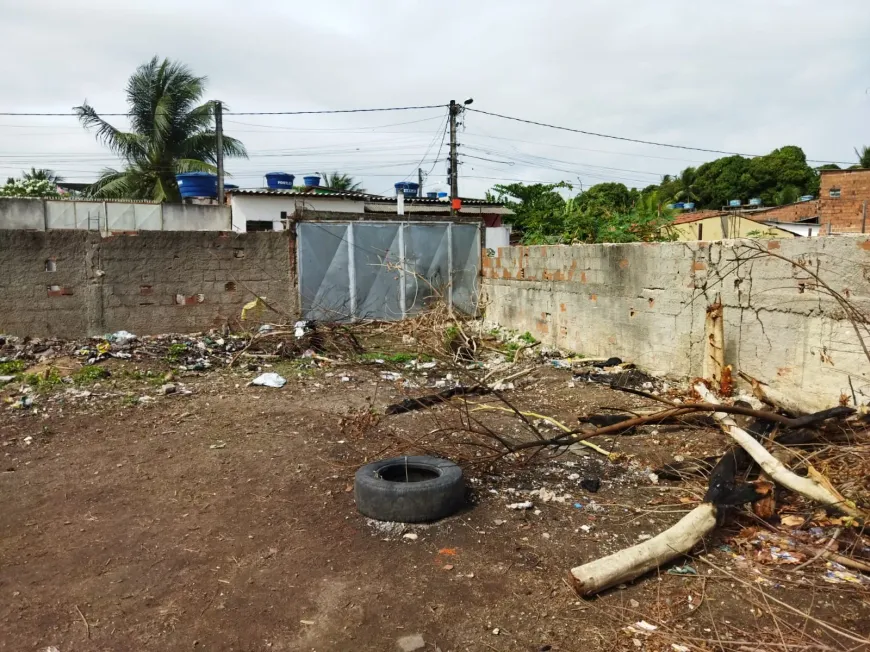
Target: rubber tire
x=409, y=502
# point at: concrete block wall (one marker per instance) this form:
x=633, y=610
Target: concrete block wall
x=72, y=284
x=646, y=303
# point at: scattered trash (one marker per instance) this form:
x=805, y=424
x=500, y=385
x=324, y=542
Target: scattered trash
x=6, y=379
x=653, y=478
x=578, y=506
x=837, y=574
x=301, y=328
x=592, y=485
x=218, y=444
x=270, y=379
x=499, y=521
x=679, y=648
x=682, y=570
x=22, y=403
x=410, y=536
x=496, y=631
x=391, y=375
x=307, y=622
x=168, y=388
x=121, y=337
x=524, y=505
x=644, y=625
x=28, y=440
x=411, y=643
x=586, y=528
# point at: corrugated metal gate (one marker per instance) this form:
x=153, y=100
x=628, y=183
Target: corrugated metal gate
x=385, y=270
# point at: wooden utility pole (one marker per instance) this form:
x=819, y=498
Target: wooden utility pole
x=454, y=164
x=219, y=134
x=419, y=182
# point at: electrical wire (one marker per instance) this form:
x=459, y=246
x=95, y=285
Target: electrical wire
x=630, y=140
x=320, y=112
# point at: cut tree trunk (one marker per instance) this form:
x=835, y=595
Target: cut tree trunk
x=714, y=345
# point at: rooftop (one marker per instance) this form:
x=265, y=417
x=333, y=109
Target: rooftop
x=358, y=196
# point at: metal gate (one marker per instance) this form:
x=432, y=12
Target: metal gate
x=385, y=270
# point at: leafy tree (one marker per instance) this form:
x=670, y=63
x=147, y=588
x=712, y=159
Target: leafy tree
x=170, y=134
x=338, y=181
x=29, y=188
x=537, y=207
x=43, y=173
x=863, y=156
x=607, y=197
x=829, y=166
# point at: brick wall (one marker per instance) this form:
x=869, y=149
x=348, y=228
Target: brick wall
x=790, y=212
x=845, y=213
x=646, y=303
x=70, y=284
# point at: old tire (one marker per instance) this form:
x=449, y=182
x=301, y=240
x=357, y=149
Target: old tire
x=411, y=489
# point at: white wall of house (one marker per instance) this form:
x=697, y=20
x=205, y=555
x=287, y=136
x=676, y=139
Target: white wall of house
x=268, y=208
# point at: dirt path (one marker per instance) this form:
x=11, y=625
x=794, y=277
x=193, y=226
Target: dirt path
x=223, y=520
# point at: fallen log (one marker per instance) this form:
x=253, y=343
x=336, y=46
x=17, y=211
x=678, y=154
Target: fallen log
x=631, y=563
x=420, y=402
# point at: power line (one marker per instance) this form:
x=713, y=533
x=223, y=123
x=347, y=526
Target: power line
x=320, y=112
x=633, y=140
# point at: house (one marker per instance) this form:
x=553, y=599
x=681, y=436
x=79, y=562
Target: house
x=270, y=209
x=720, y=225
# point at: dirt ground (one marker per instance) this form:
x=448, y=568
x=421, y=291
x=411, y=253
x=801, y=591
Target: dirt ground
x=224, y=519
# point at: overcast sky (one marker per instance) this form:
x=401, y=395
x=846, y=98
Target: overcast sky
x=737, y=76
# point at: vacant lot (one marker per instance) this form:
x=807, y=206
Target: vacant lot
x=223, y=519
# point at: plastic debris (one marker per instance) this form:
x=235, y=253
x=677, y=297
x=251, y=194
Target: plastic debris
x=121, y=337
x=270, y=379
x=837, y=574
x=592, y=485
x=682, y=570
x=391, y=375
x=218, y=445
x=301, y=328
x=6, y=379
x=410, y=536
x=523, y=505
x=645, y=626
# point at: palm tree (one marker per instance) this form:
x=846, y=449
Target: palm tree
x=687, y=193
x=169, y=134
x=863, y=156
x=338, y=181
x=42, y=174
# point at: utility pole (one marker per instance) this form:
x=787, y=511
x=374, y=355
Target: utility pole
x=419, y=182
x=454, y=164
x=219, y=133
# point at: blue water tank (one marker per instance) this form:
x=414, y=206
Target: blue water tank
x=230, y=186
x=689, y=205
x=734, y=203
x=407, y=188
x=755, y=201
x=805, y=198
x=197, y=184
x=312, y=181
x=678, y=204
x=432, y=195
x=442, y=196
x=279, y=180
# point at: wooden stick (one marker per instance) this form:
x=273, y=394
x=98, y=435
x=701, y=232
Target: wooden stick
x=627, y=564
x=773, y=467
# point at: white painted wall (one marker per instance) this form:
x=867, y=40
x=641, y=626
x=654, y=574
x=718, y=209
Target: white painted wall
x=268, y=208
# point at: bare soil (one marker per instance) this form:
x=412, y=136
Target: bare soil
x=224, y=520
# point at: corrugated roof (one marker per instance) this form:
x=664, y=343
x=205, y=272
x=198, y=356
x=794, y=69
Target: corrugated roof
x=338, y=194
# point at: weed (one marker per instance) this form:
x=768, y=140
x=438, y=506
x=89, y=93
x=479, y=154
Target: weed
x=528, y=338
x=130, y=400
x=90, y=374
x=45, y=380
x=176, y=351
x=12, y=367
